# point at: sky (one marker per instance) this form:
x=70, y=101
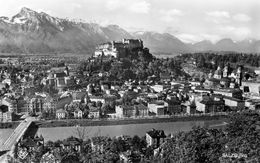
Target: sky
x=189, y=20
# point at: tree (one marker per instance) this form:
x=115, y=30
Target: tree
x=243, y=136
x=105, y=108
x=49, y=144
x=37, y=154
x=70, y=158
x=138, y=143
x=128, y=74
x=82, y=132
x=198, y=145
x=99, y=104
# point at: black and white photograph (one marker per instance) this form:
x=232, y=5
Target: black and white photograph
x=129, y=81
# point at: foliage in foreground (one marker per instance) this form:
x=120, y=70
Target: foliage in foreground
x=239, y=142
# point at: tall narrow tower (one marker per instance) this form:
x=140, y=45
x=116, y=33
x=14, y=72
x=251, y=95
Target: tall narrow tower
x=226, y=71
x=239, y=76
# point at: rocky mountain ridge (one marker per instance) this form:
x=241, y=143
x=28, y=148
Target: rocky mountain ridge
x=33, y=32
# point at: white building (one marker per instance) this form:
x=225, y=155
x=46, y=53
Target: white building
x=61, y=114
x=157, y=107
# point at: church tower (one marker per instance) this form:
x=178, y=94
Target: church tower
x=226, y=71
x=239, y=76
x=218, y=73
x=67, y=71
x=210, y=75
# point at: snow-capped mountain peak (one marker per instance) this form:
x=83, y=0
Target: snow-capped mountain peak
x=32, y=32
x=41, y=32
x=28, y=11
x=24, y=16
x=5, y=19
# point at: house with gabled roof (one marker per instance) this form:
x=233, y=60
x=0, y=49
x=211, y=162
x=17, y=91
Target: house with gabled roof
x=94, y=112
x=158, y=107
x=50, y=157
x=155, y=137
x=210, y=105
x=78, y=113
x=125, y=111
x=98, y=143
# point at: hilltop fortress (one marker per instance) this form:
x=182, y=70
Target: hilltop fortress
x=118, y=49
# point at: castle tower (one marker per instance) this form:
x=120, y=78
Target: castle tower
x=239, y=76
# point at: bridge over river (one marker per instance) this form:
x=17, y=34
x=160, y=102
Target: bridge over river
x=16, y=135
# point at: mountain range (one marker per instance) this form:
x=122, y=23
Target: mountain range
x=33, y=32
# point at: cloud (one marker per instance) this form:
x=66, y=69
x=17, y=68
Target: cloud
x=193, y=38
x=241, y=18
x=212, y=37
x=219, y=14
x=135, y=6
x=235, y=32
x=170, y=15
x=218, y=17
x=114, y=4
x=140, y=7
x=188, y=38
x=133, y=29
x=171, y=30
x=102, y=22
x=71, y=7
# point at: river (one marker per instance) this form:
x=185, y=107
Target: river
x=4, y=134
x=56, y=133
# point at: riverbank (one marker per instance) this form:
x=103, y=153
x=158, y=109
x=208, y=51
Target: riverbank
x=11, y=125
x=110, y=122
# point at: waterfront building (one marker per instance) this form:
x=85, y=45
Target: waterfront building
x=125, y=111
x=50, y=157
x=210, y=105
x=94, y=113
x=97, y=143
x=155, y=138
x=71, y=143
x=234, y=103
x=5, y=115
x=158, y=107
x=174, y=105
x=78, y=113
x=251, y=87
x=61, y=114
x=253, y=104
x=36, y=105
x=142, y=111
x=97, y=98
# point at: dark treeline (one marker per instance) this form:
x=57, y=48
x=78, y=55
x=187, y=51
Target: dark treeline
x=213, y=60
